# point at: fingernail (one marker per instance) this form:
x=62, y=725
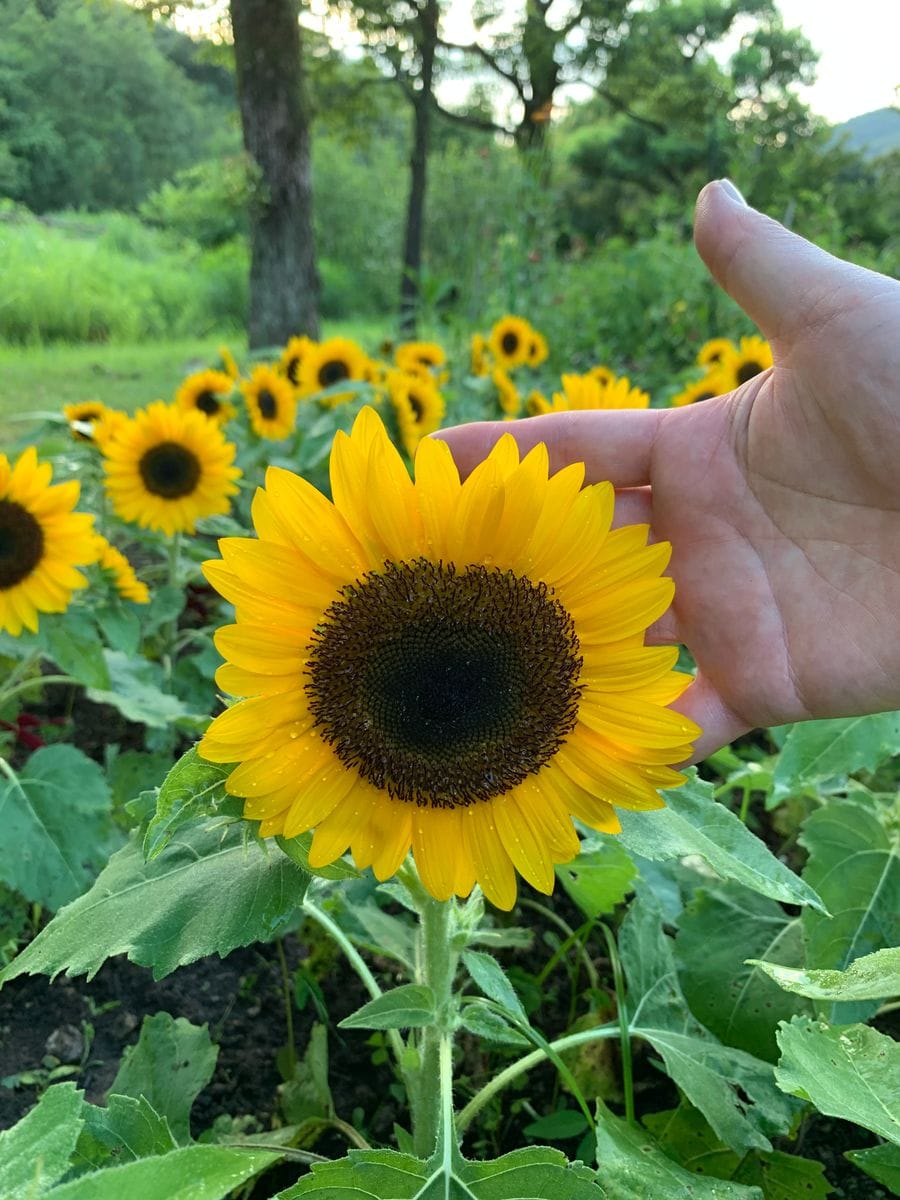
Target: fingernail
x=731, y=191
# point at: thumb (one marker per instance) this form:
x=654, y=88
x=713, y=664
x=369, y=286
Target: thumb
x=783, y=282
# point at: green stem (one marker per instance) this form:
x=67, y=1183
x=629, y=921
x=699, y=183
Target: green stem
x=521, y=1065
x=624, y=1031
x=436, y=968
x=170, y=630
x=745, y=804
x=288, y=1004
x=37, y=681
x=358, y=964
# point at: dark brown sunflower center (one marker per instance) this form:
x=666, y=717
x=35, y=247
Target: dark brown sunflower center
x=21, y=543
x=292, y=370
x=208, y=402
x=704, y=396
x=748, y=370
x=442, y=686
x=267, y=405
x=333, y=372
x=169, y=470
x=417, y=406
x=509, y=343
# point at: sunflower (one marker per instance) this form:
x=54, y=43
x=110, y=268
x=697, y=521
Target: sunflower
x=418, y=406
x=751, y=358
x=414, y=357
x=292, y=356
x=272, y=403
x=207, y=392
x=109, y=426
x=456, y=668
x=602, y=374
x=510, y=342
x=585, y=391
x=82, y=418
x=537, y=349
x=715, y=351
x=480, y=355
x=331, y=362
x=168, y=467
x=709, y=386
x=507, y=393
x=229, y=363
x=42, y=541
x=127, y=583
x=536, y=403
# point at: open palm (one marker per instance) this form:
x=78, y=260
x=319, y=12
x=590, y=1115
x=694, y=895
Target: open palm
x=781, y=500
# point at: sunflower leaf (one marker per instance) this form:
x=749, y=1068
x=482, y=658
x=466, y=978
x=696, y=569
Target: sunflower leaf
x=599, y=878
x=846, y=1071
x=854, y=861
x=872, y=977
x=694, y=823
x=489, y=976
x=818, y=750
x=207, y=892
x=136, y=690
x=193, y=788
x=57, y=825
x=35, y=1153
x=406, y=1007
x=73, y=643
x=881, y=1162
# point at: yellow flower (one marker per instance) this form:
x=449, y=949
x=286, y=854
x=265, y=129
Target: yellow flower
x=418, y=406
x=169, y=467
x=207, y=392
x=109, y=426
x=507, y=393
x=715, y=351
x=413, y=357
x=510, y=342
x=271, y=402
x=703, y=389
x=480, y=355
x=751, y=358
x=602, y=374
x=329, y=363
x=537, y=403
x=229, y=363
x=42, y=541
x=292, y=356
x=83, y=418
x=455, y=668
x=127, y=583
x=585, y=391
x=537, y=349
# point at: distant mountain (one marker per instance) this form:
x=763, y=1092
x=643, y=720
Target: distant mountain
x=873, y=133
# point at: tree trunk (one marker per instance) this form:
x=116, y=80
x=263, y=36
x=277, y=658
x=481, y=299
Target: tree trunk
x=418, y=170
x=284, y=283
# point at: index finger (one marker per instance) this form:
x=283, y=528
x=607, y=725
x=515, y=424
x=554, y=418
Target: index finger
x=613, y=444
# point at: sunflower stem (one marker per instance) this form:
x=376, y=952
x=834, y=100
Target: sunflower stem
x=432, y=1089
x=288, y=1005
x=170, y=630
x=37, y=681
x=624, y=1031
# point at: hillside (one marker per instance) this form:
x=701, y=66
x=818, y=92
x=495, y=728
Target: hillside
x=873, y=133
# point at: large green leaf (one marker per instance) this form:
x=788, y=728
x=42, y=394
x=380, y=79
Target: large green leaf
x=35, y=1153
x=74, y=645
x=600, y=877
x=630, y=1166
x=137, y=690
x=207, y=893
x=735, y=1091
x=849, y=1071
x=188, y=1173
x=872, y=977
x=124, y=1130
x=193, y=788
x=854, y=861
x=815, y=751
x=171, y=1063
x=409, y=1006
x=881, y=1162
x=720, y=928
x=57, y=826
x=693, y=823
x=535, y=1173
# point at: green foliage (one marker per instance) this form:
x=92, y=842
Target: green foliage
x=125, y=1130
x=35, y=1154
x=57, y=825
x=192, y=1172
x=406, y=1007
x=872, y=977
x=206, y=893
x=817, y=751
x=881, y=1162
x=193, y=788
x=599, y=878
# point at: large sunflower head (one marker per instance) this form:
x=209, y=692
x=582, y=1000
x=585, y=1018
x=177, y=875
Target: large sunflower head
x=83, y=417
x=42, y=541
x=207, y=392
x=416, y=357
x=271, y=402
x=292, y=356
x=453, y=667
x=510, y=342
x=714, y=352
x=418, y=407
x=126, y=582
x=168, y=467
x=330, y=363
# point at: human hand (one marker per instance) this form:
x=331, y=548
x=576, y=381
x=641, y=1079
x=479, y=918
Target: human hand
x=781, y=499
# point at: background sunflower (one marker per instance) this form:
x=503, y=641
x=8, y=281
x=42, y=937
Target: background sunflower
x=271, y=402
x=329, y=363
x=207, y=392
x=510, y=342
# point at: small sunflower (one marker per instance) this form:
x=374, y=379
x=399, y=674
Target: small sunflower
x=168, y=467
x=42, y=541
x=715, y=351
x=536, y=403
x=585, y=391
x=507, y=393
x=480, y=356
x=292, y=356
x=82, y=418
x=418, y=406
x=271, y=402
x=751, y=358
x=127, y=583
x=207, y=392
x=455, y=668
x=414, y=357
x=537, y=349
x=602, y=374
x=113, y=421
x=329, y=363
x=707, y=388
x=510, y=342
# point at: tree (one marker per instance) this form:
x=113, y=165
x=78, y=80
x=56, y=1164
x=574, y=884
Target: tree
x=284, y=283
